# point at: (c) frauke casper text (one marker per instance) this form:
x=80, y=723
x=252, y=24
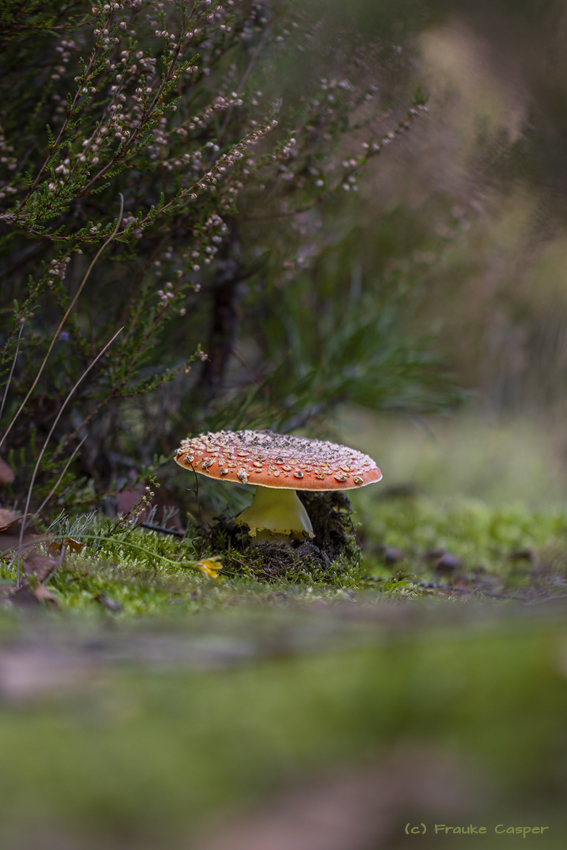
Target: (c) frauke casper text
x=499, y=829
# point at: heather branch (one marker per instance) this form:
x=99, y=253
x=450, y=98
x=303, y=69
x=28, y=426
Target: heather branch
x=55, y=149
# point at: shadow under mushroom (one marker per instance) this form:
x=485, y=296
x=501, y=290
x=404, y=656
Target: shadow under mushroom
x=332, y=553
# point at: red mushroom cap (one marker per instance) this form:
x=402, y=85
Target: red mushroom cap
x=273, y=460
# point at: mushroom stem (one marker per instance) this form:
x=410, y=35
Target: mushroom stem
x=276, y=514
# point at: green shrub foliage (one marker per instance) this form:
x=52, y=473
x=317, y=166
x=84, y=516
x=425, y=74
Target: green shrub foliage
x=169, y=173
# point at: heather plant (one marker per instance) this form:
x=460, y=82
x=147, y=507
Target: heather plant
x=164, y=185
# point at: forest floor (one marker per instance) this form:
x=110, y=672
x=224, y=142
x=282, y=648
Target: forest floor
x=411, y=547
x=156, y=698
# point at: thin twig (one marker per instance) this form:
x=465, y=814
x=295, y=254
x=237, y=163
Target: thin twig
x=117, y=391
x=57, y=418
x=54, y=488
x=234, y=558
x=11, y=373
x=63, y=320
x=162, y=530
x=196, y=491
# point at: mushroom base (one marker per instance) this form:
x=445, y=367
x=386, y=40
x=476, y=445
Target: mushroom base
x=276, y=514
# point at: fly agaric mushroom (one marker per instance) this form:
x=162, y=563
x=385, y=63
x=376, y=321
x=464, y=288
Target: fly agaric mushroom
x=278, y=466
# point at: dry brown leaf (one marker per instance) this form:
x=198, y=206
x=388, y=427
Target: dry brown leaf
x=23, y=597
x=70, y=546
x=6, y=473
x=7, y=518
x=10, y=529
x=11, y=542
x=42, y=594
x=28, y=597
x=39, y=565
x=128, y=498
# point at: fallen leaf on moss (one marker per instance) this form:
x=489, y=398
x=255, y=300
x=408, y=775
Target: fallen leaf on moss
x=27, y=597
x=39, y=565
x=70, y=545
x=10, y=529
x=43, y=594
x=23, y=597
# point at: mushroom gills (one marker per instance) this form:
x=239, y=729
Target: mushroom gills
x=275, y=514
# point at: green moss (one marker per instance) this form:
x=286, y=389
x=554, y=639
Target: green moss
x=489, y=537
x=512, y=550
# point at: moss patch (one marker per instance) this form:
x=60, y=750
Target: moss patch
x=410, y=547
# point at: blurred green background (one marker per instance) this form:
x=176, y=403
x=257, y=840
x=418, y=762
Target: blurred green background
x=478, y=219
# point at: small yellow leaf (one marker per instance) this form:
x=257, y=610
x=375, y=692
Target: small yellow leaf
x=210, y=567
